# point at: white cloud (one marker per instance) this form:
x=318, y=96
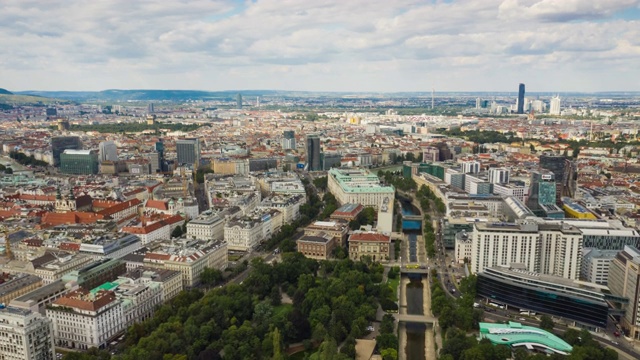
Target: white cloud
x=362, y=45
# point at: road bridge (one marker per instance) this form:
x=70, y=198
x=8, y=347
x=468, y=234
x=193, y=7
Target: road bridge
x=419, y=319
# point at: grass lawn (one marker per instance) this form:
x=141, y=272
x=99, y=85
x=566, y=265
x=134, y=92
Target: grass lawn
x=233, y=257
x=394, y=286
x=279, y=310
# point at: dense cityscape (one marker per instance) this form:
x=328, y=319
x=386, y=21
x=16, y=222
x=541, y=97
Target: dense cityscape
x=320, y=180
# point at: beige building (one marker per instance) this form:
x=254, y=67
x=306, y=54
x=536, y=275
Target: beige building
x=190, y=259
x=60, y=266
x=25, y=335
x=19, y=285
x=319, y=246
x=336, y=228
x=624, y=275
x=367, y=243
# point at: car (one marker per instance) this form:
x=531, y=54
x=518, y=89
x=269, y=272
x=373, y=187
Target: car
x=615, y=343
x=370, y=328
x=522, y=319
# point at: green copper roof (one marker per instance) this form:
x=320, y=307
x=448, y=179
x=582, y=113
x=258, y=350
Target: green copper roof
x=106, y=286
x=516, y=334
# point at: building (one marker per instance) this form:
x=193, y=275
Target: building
x=372, y=244
x=150, y=109
x=25, y=335
x=337, y=229
x=521, y=99
x=515, y=335
x=169, y=280
x=557, y=165
x=108, y=151
x=239, y=102
x=430, y=154
x=319, y=246
x=463, y=247
x=38, y=299
x=158, y=230
x=188, y=151
x=516, y=189
x=385, y=216
x=107, y=247
x=498, y=175
x=330, y=160
x=624, y=281
x=96, y=273
x=189, y=257
x=289, y=140
x=205, y=227
x=574, y=210
x=61, y=143
x=477, y=184
x=452, y=225
x=19, y=285
x=471, y=167
x=243, y=234
x=554, y=107
x=84, y=319
x=577, y=301
x=313, y=153
x=79, y=162
x=358, y=186
x=347, y=212
x=596, y=264
x=554, y=249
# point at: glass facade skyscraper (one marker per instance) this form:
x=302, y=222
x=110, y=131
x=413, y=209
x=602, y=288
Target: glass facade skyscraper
x=521, y=99
x=61, y=143
x=188, y=151
x=79, y=162
x=313, y=153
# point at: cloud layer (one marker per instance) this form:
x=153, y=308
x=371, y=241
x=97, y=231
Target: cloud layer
x=328, y=45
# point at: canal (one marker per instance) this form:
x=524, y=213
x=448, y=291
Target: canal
x=415, y=333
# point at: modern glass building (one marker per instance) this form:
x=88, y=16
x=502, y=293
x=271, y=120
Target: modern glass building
x=313, y=153
x=517, y=335
x=581, y=302
x=79, y=162
x=188, y=151
x=521, y=99
x=61, y=143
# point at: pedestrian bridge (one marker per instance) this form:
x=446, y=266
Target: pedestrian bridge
x=412, y=270
x=412, y=217
x=420, y=319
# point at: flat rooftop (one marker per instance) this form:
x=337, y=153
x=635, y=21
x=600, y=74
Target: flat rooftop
x=516, y=334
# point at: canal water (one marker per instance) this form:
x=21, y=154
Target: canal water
x=414, y=292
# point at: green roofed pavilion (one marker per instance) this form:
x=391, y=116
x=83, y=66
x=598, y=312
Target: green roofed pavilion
x=515, y=334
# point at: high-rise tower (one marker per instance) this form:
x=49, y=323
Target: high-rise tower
x=521, y=99
x=313, y=153
x=188, y=151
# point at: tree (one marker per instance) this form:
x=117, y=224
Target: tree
x=389, y=354
x=546, y=323
x=277, y=345
x=177, y=232
x=210, y=277
x=8, y=171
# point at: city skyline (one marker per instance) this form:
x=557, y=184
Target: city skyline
x=354, y=46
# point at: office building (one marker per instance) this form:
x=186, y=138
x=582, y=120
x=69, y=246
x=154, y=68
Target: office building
x=542, y=195
x=79, y=162
x=319, y=246
x=239, y=101
x=63, y=125
x=289, y=140
x=521, y=99
x=574, y=210
x=61, y=143
x=330, y=160
x=581, y=303
x=358, y=186
x=313, y=153
x=554, y=107
x=517, y=189
x=596, y=264
x=188, y=151
x=557, y=165
x=150, y=109
x=498, y=175
x=108, y=151
x=210, y=228
x=624, y=281
x=25, y=335
x=430, y=154
x=162, y=166
x=83, y=319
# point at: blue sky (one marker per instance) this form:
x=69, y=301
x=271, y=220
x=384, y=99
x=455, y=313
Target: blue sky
x=321, y=45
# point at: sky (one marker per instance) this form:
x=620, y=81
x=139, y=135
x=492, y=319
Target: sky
x=321, y=45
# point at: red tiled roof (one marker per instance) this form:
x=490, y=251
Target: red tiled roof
x=81, y=299
x=70, y=217
x=69, y=246
x=157, y=204
x=375, y=237
x=120, y=207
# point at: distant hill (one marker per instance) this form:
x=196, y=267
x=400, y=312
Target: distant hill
x=5, y=92
x=147, y=95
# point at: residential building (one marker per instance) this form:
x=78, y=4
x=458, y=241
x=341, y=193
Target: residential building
x=358, y=186
x=516, y=189
x=596, y=264
x=319, y=247
x=289, y=140
x=375, y=245
x=430, y=154
x=624, y=281
x=79, y=162
x=158, y=230
x=243, y=234
x=470, y=167
x=554, y=107
x=169, y=280
x=499, y=176
x=83, y=319
x=25, y=335
x=463, y=247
